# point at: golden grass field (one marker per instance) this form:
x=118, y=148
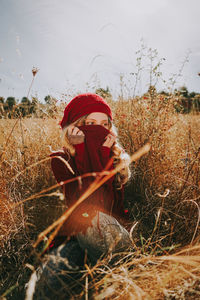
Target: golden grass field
x=162, y=196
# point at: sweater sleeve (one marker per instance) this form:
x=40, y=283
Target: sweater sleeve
x=59, y=168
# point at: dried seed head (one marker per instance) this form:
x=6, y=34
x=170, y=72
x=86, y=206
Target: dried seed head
x=34, y=71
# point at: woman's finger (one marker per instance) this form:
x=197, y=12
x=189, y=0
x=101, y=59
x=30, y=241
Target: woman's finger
x=110, y=139
x=80, y=133
x=75, y=130
x=70, y=130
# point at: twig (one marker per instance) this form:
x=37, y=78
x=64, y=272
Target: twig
x=34, y=72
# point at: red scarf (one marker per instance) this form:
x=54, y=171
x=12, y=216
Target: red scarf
x=93, y=158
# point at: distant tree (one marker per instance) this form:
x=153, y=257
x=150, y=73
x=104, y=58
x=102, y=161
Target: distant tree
x=196, y=103
x=26, y=101
x=192, y=94
x=34, y=104
x=184, y=103
x=47, y=99
x=11, y=102
x=183, y=91
x=164, y=93
x=24, y=106
x=2, y=99
x=50, y=100
x=104, y=93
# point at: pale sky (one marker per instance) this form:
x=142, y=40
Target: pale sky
x=79, y=45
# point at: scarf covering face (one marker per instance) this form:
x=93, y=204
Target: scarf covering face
x=95, y=136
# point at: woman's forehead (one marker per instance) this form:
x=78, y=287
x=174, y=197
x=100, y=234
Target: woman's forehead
x=97, y=115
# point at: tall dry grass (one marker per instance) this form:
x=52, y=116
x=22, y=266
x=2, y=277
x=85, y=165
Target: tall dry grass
x=162, y=197
x=149, y=277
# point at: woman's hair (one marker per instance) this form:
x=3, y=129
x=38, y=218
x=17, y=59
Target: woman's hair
x=119, y=155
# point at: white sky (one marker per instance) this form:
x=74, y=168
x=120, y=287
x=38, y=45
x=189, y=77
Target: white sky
x=79, y=45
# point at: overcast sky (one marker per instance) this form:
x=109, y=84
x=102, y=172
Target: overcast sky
x=79, y=45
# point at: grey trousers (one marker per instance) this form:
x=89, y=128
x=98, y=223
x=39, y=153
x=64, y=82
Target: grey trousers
x=104, y=237
x=55, y=278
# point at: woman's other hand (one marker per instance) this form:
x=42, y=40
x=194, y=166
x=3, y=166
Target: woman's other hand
x=75, y=135
x=110, y=140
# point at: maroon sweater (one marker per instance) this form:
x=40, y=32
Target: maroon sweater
x=90, y=156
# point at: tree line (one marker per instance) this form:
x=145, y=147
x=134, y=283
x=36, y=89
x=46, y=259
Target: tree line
x=12, y=108
x=185, y=102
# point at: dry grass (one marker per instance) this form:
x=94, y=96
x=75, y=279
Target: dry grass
x=162, y=196
x=151, y=277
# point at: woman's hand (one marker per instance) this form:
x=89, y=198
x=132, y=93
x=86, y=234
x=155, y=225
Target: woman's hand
x=110, y=140
x=75, y=135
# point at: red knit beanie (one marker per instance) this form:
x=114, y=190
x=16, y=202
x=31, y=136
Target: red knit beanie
x=82, y=105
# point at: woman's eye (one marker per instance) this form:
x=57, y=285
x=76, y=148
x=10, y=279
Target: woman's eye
x=90, y=123
x=105, y=124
